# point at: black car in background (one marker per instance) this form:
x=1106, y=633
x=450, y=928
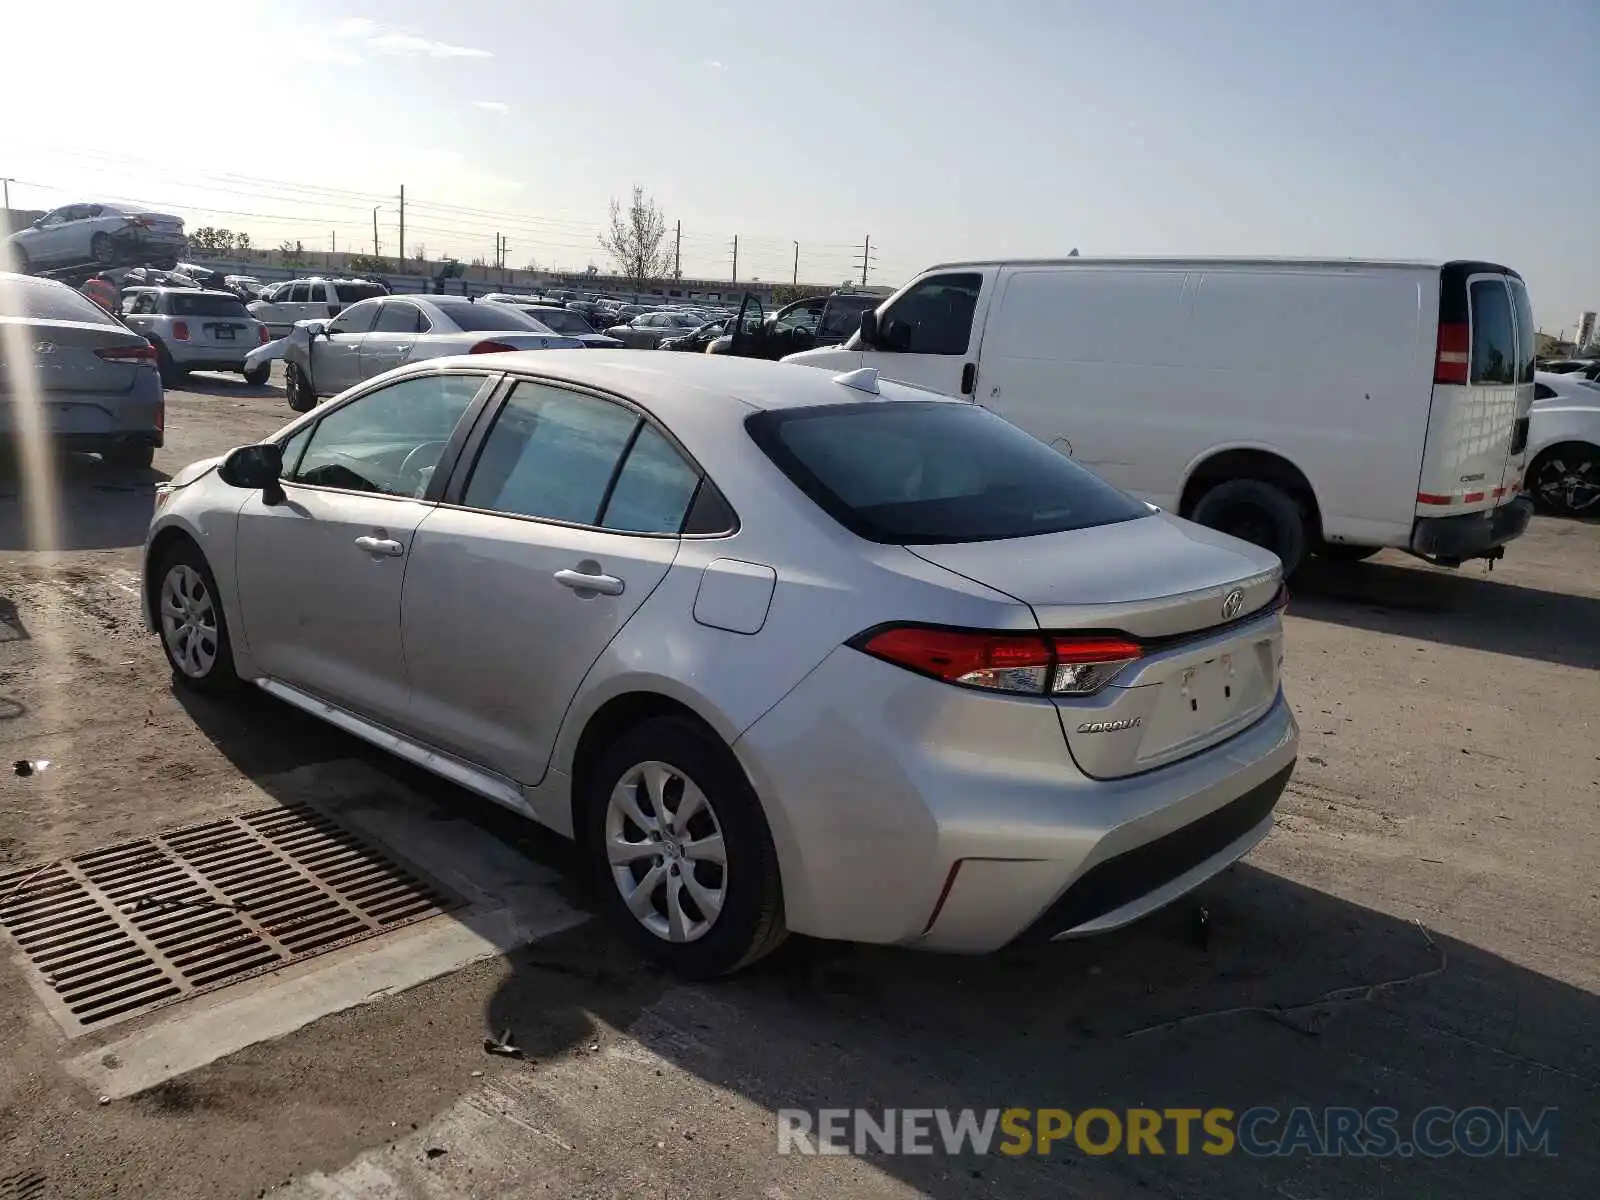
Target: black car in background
x=802, y=325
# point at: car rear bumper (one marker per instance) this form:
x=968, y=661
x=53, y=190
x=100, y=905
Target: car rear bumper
x=96, y=420
x=908, y=811
x=210, y=358
x=1471, y=535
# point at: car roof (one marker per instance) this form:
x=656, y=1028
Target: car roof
x=676, y=386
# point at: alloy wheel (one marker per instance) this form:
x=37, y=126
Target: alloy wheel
x=1569, y=483
x=189, y=621
x=665, y=848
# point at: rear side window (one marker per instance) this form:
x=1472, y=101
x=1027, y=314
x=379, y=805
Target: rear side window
x=1494, y=334
x=929, y=472
x=206, y=306
x=44, y=300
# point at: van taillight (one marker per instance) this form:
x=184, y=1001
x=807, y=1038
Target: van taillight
x=1455, y=342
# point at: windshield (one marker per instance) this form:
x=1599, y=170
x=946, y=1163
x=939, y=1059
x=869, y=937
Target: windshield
x=483, y=317
x=924, y=472
x=204, y=305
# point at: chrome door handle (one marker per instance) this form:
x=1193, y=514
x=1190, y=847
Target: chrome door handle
x=386, y=546
x=578, y=581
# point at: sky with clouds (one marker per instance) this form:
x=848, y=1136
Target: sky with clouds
x=1409, y=128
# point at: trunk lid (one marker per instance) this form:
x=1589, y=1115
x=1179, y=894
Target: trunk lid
x=61, y=356
x=1202, y=605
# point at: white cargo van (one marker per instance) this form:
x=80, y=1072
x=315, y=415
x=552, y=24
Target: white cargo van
x=1331, y=408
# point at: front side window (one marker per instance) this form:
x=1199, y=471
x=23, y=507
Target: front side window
x=551, y=454
x=358, y=318
x=397, y=318
x=930, y=472
x=934, y=317
x=387, y=442
x=805, y=318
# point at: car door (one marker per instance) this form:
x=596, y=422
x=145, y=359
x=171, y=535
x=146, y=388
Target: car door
x=794, y=328
x=336, y=355
x=49, y=241
x=393, y=337
x=319, y=575
x=531, y=565
x=929, y=336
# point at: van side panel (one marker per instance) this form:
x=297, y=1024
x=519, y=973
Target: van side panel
x=1146, y=372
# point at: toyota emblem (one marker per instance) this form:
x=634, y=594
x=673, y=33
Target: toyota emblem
x=1231, y=604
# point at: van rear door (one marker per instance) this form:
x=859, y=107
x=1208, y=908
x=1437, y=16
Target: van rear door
x=1482, y=391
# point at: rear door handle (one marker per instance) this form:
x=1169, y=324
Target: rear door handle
x=969, y=378
x=580, y=582
x=384, y=546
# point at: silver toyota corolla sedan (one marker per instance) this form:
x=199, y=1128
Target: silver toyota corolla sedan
x=782, y=650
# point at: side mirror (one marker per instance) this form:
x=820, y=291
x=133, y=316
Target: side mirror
x=869, y=329
x=316, y=329
x=255, y=468
x=36, y=223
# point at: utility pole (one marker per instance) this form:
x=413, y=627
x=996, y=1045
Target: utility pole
x=736, y=258
x=677, y=254
x=402, y=224
x=334, y=249
x=866, y=259
x=796, y=278
x=375, y=209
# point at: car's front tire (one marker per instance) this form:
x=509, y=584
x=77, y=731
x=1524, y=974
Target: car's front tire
x=193, y=627
x=298, y=389
x=257, y=376
x=1565, y=480
x=680, y=850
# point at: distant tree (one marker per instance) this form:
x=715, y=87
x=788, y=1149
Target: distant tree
x=293, y=254
x=369, y=262
x=637, y=239
x=242, y=243
x=209, y=240
x=783, y=293
x=531, y=265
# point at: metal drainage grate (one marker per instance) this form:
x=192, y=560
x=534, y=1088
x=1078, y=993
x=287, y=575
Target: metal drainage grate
x=117, y=932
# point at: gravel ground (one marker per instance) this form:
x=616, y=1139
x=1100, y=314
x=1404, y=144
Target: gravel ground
x=1432, y=870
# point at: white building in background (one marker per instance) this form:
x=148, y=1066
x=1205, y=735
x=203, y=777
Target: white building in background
x=1586, y=331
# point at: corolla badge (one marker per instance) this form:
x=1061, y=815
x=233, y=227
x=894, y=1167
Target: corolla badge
x=1109, y=726
x=1232, y=603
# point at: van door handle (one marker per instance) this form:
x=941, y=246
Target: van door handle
x=582, y=581
x=969, y=378
x=384, y=546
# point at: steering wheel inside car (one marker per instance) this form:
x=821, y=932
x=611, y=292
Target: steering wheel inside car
x=417, y=469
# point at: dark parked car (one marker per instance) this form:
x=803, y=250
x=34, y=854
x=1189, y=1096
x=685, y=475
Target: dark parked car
x=565, y=320
x=801, y=325
x=645, y=331
x=696, y=340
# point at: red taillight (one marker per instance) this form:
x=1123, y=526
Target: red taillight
x=1025, y=664
x=142, y=353
x=1455, y=342
x=180, y=331
x=490, y=348
x=265, y=336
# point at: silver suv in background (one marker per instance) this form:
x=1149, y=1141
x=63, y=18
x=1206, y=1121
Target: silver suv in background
x=314, y=299
x=195, y=330
x=94, y=377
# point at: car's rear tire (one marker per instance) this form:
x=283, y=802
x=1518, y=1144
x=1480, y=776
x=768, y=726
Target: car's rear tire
x=1257, y=512
x=298, y=388
x=172, y=375
x=660, y=879
x=102, y=249
x=1565, y=479
x=257, y=376
x=1341, y=552
x=192, y=625
x=129, y=458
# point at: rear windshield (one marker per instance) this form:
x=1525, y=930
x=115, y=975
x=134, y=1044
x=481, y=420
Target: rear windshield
x=560, y=320
x=207, y=306
x=349, y=293
x=42, y=300
x=1502, y=332
x=487, y=317
x=929, y=472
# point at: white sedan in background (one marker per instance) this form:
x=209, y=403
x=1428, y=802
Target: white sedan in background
x=1564, y=445
x=323, y=358
x=97, y=233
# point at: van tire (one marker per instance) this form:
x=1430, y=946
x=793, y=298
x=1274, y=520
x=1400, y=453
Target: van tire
x=1343, y=552
x=1257, y=512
